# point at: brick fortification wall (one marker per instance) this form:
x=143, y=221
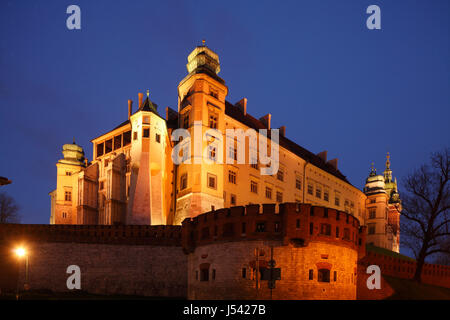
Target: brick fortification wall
x=398, y=266
x=135, y=260
x=304, y=239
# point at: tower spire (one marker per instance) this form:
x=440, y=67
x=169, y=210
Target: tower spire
x=373, y=171
x=388, y=171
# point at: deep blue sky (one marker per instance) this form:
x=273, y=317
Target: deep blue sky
x=314, y=65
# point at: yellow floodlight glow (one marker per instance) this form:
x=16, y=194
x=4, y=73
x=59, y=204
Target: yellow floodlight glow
x=20, y=252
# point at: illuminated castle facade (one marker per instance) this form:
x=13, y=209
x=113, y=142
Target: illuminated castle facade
x=133, y=180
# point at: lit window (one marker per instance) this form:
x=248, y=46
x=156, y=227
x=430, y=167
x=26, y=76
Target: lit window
x=232, y=177
x=298, y=184
x=268, y=193
x=310, y=189
x=280, y=175
x=279, y=196
x=253, y=187
x=213, y=121
x=146, y=133
x=212, y=181
x=318, y=192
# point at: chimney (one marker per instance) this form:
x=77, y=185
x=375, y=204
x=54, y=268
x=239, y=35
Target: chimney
x=130, y=108
x=266, y=120
x=323, y=155
x=283, y=130
x=333, y=162
x=141, y=96
x=242, y=105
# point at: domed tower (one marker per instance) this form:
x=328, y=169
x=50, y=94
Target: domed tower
x=201, y=108
x=376, y=209
x=63, y=198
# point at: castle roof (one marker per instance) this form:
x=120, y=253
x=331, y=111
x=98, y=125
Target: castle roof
x=234, y=112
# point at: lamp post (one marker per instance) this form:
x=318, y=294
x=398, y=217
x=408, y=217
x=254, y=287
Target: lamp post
x=21, y=252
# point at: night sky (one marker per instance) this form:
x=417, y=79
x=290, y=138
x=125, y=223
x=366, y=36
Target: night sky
x=313, y=65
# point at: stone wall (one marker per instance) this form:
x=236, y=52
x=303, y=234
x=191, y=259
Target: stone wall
x=109, y=269
x=227, y=280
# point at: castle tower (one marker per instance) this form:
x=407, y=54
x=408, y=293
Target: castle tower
x=394, y=207
x=201, y=100
x=376, y=209
x=64, y=197
x=148, y=195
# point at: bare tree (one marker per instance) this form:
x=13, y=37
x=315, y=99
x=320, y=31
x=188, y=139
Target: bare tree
x=8, y=209
x=426, y=205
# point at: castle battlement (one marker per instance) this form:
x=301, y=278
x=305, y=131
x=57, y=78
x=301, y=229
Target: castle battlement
x=293, y=223
x=100, y=234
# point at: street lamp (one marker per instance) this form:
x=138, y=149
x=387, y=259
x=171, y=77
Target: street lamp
x=20, y=253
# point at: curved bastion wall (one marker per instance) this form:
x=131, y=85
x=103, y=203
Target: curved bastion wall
x=315, y=248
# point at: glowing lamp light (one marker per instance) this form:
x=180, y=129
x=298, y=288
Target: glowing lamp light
x=20, y=252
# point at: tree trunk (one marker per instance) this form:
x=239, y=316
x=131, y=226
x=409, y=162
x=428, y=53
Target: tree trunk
x=419, y=265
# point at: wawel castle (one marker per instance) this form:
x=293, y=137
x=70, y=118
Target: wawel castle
x=133, y=180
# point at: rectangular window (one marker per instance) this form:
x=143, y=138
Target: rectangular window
x=135, y=135
x=297, y=224
x=232, y=177
x=372, y=213
x=232, y=153
x=298, y=184
x=337, y=232
x=253, y=187
x=244, y=228
x=326, y=195
x=213, y=121
x=100, y=150
x=158, y=138
x=279, y=196
x=145, y=132
x=68, y=196
x=335, y=276
x=183, y=181
x=323, y=275
x=244, y=273
x=126, y=138
x=318, y=192
x=311, y=228
x=233, y=199
x=268, y=193
x=212, y=153
x=336, y=201
x=277, y=227
x=108, y=146
x=68, y=173
x=204, y=274
x=280, y=175
x=212, y=181
x=117, y=142
x=311, y=274
x=310, y=189
x=213, y=276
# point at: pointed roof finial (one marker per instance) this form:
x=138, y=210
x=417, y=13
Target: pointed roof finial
x=373, y=171
x=203, y=42
x=73, y=140
x=388, y=163
x=148, y=93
